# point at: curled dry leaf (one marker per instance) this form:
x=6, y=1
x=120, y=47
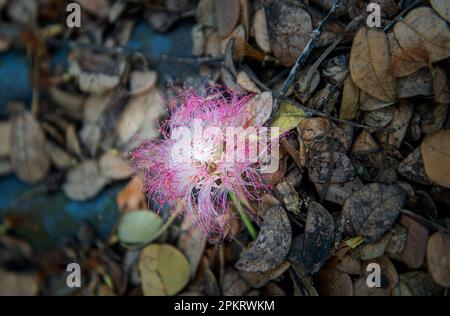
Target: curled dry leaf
x=418, y=83
x=164, y=270
x=372, y=210
x=370, y=65
x=289, y=29
x=84, y=181
x=95, y=73
x=245, y=82
x=261, y=31
x=227, y=15
x=438, y=258
x=435, y=150
x=113, y=167
x=272, y=244
x=28, y=158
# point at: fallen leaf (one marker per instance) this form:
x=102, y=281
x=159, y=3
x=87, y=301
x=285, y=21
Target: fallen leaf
x=227, y=15
x=370, y=65
x=192, y=242
x=164, y=270
x=339, y=192
x=413, y=253
x=99, y=8
x=319, y=237
x=113, y=167
x=402, y=63
x=245, y=82
x=142, y=81
x=137, y=228
x=442, y=8
x=198, y=40
x=438, y=258
x=261, y=31
x=412, y=167
x=350, y=100
x=420, y=283
x=84, y=181
x=423, y=35
x=233, y=284
x=418, y=83
x=5, y=136
x=435, y=150
x=131, y=197
x=272, y=244
x=72, y=142
x=372, y=210
x=28, y=158
x=58, y=156
x=257, y=109
x=289, y=29
x=16, y=284
x=288, y=117
x=364, y=144
x=379, y=118
x=332, y=282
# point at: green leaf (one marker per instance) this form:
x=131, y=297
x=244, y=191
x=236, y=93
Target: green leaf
x=288, y=117
x=138, y=228
x=164, y=270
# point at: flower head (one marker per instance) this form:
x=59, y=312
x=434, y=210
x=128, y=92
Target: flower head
x=208, y=149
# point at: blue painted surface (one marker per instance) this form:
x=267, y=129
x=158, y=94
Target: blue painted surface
x=49, y=218
x=15, y=84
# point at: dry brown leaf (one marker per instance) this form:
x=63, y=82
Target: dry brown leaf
x=5, y=135
x=258, y=109
x=400, y=122
x=261, y=31
x=423, y=35
x=59, y=157
x=84, y=181
x=413, y=253
x=441, y=7
x=332, y=282
x=71, y=104
x=350, y=100
x=142, y=81
x=99, y=8
x=370, y=65
x=412, y=167
x=438, y=258
x=441, y=86
x=16, y=284
x=113, y=167
x=28, y=157
x=198, y=40
x=364, y=144
x=227, y=15
x=435, y=150
x=402, y=63
x=418, y=83
x=245, y=82
x=132, y=197
x=372, y=210
x=72, y=142
x=289, y=29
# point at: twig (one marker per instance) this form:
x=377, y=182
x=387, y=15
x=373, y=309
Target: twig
x=310, y=112
x=389, y=26
x=170, y=220
x=315, y=35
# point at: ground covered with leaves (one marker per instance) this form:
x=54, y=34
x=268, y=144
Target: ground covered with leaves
x=364, y=170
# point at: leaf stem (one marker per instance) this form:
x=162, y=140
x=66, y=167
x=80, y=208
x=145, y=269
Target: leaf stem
x=248, y=224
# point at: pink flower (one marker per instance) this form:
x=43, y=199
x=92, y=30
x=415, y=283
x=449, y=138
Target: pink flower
x=199, y=160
